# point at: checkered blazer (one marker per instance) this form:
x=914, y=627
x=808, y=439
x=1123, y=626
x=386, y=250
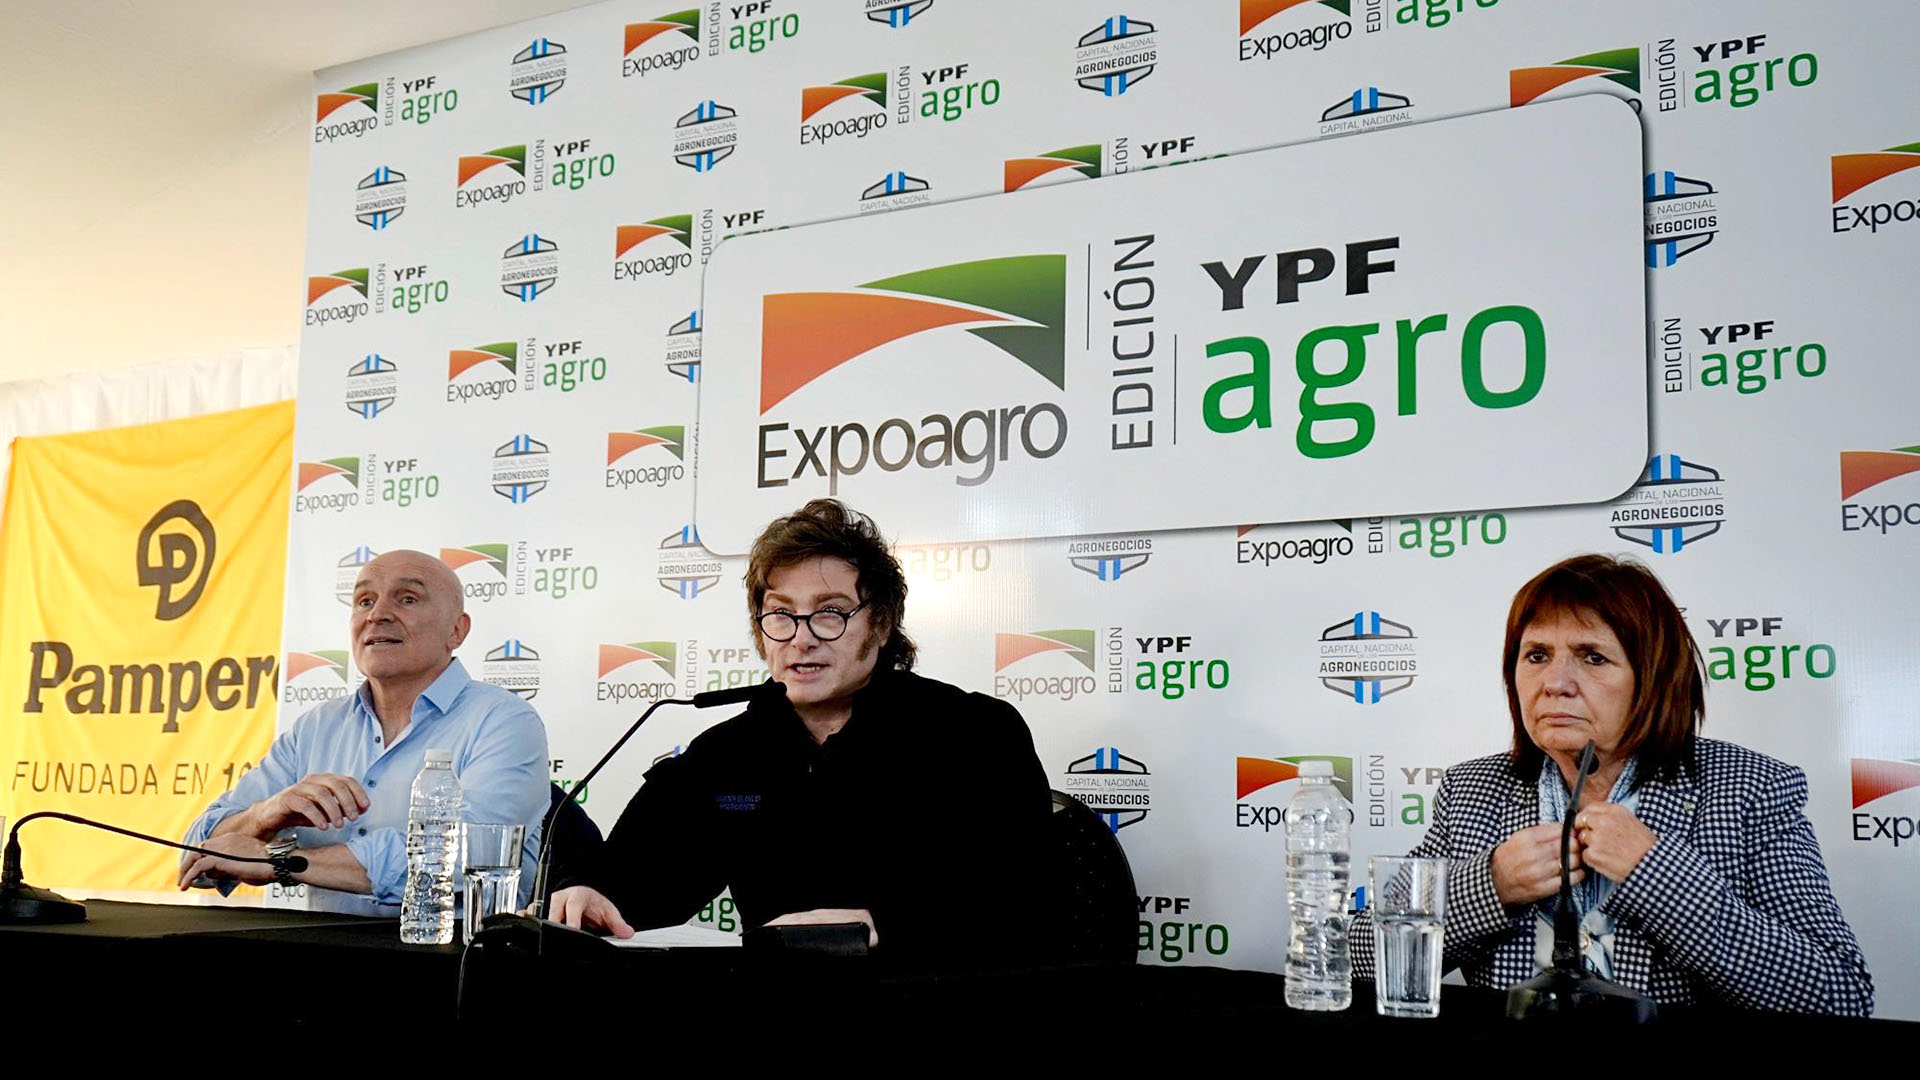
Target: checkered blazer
x=1730, y=906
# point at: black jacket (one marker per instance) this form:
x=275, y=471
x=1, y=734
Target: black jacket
x=928, y=808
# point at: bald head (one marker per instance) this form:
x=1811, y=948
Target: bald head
x=408, y=617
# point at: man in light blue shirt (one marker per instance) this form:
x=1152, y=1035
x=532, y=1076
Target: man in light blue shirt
x=339, y=781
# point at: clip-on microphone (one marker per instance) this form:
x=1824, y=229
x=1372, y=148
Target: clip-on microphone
x=1567, y=989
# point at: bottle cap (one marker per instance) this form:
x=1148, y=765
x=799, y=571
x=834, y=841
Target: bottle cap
x=1311, y=767
x=440, y=755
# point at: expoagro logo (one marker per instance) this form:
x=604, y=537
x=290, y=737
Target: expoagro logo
x=327, y=302
x=1852, y=172
x=481, y=568
x=669, y=438
x=469, y=378
x=1076, y=645
x=1111, y=784
x=851, y=119
x=662, y=258
x=380, y=198
x=313, y=677
x=1863, y=470
x=664, y=42
x=498, y=175
x=1306, y=29
x=1068, y=163
x=337, y=481
x=1115, y=56
x=1255, y=775
x=1620, y=67
x=372, y=386
x=630, y=671
x=1875, y=779
x=330, y=122
x=1016, y=304
x=1367, y=657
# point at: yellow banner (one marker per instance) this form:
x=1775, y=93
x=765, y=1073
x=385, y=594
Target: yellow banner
x=141, y=577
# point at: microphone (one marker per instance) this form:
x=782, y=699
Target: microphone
x=704, y=700
x=1566, y=989
x=21, y=903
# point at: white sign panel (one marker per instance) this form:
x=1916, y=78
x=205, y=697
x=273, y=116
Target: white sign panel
x=1444, y=317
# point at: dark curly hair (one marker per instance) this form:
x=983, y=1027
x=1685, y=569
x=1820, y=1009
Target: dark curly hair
x=827, y=527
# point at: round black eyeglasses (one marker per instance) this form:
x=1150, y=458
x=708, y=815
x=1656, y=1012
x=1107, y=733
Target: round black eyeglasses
x=827, y=624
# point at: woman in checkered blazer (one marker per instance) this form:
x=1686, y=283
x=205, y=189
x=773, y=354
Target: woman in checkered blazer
x=1697, y=876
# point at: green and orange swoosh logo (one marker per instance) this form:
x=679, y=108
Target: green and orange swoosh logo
x=1021, y=171
x=494, y=555
x=319, y=285
x=1862, y=469
x=507, y=353
x=1615, y=65
x=472, y=165
x=1255, y=12
x=628, y=237
x=1874, y=778
x=1851, y=172
x=299, y=663
x=639, y=33
x=1250, y=774
x=1013, y=648
x=1017, y=304
x=672, y=437
x=872, y=86
x=312, y=472
x=619, y=656
x=325, y=104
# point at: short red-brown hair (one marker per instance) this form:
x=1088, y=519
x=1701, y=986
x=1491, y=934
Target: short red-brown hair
x=1669, y=686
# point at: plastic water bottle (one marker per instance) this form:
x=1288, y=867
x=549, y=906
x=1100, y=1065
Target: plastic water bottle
x=433, y=838
x=1319, y=972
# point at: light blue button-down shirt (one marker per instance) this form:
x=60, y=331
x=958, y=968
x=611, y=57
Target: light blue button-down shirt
x=499, y=755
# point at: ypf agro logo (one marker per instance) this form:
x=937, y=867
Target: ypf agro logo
x=1055, y=653
x=346, y=572
x=483, y=570
x=314, y=677
x=176, y=549
x=1115, y=56
x=1016, y=304
x=346, y=114
x=895, y=191
x=1864, y=470
x=667, y=243
x=852, y=107
x=686, y=567
x=1854, y=172
x=630, y=465
x=513, y=665
x=1274, y=781
x=705, y=136
x=1367, y=657
x=521, y=467
x=663, y=43
x=1683, y=216
x=1113, y=785
x=1307, y=24
x=632, y=671
x=495, y=176
x=683, y=348
x=529, y=267
x=330, y=485
x=1067, y=163
x=372, y=385
x=337, y=297
x=538, y=71
x=483, y=373
x=1875, y=779
x=1609, y=71
x=380, y=198
x=1108, y=558
x=895, y=13
x=1367, y=109
x=1676, y=503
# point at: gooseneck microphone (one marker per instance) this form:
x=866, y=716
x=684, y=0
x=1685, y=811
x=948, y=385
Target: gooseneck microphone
x=706, y=700
x=1566, y=989
x=22, y=903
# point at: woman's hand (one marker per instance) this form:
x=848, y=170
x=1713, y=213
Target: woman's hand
x=1611, y=839
x=586, y=909
x=1526, y=867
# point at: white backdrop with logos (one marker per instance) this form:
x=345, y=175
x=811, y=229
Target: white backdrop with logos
x=503, y=346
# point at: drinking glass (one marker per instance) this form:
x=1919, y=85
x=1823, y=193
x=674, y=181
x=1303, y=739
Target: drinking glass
x=1409, y=904
x=491, y=854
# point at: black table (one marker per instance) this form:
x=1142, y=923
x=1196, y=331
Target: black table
x=175, y=967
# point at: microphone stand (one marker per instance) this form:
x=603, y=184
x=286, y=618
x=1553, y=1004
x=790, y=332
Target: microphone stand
x=1566, y=989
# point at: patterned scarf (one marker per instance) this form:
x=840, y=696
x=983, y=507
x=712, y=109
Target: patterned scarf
x=1596, y=927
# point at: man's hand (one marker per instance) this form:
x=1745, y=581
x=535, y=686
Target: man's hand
x=824, y=916
x=321, y=800
x=1612, y=840
x=1526, y=867
x=249, y=847
x=586, y=909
